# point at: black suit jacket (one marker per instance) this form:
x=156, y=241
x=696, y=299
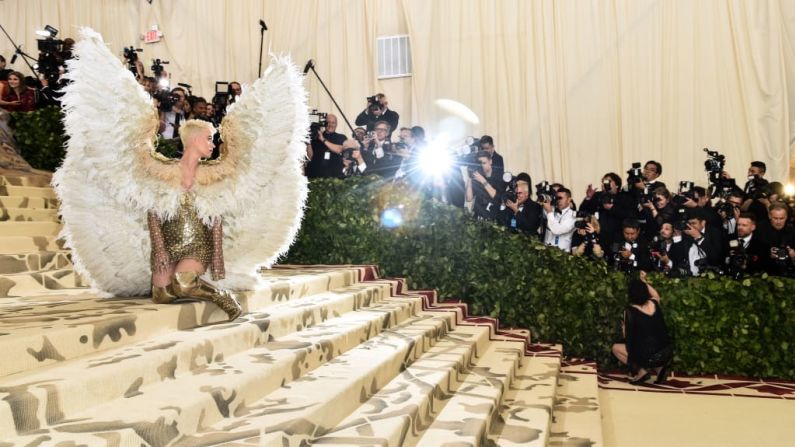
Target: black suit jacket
x=758, y=256
x=528, y=219
x=369, y=119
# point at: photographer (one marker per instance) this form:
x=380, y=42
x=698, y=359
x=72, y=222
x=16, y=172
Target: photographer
x=780, y=237
x=482, y=187
x=352, y=161
x=325, y=149
x=377, y=110
x=729, y=211
x=487, y=144
x=560, y=220
x=522, y=215
x=611, y=208
x=170, y=120
x=701, y=200
x=659, y=210
x=668, y=252
x=747, y=253
x=703, y=243
x=633, y=253
x=585, y=241
x=379, y=152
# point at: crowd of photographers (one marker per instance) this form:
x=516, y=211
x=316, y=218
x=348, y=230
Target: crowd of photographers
x=633, y=224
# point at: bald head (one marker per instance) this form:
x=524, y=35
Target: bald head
x=331, y=123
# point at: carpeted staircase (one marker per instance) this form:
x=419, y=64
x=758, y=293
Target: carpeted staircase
x=327, y=355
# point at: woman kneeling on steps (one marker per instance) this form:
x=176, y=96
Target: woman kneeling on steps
x=648, y=344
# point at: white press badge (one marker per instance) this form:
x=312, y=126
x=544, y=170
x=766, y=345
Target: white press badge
x=327, y=155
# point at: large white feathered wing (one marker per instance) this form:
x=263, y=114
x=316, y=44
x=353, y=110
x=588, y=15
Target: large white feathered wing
x=262, y=198
x=110, y=121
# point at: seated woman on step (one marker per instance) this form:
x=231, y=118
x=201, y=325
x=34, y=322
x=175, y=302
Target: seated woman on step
x=648, y=345
x=183, y=246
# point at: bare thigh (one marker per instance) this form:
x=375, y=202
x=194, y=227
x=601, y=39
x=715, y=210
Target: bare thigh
x=190, y=265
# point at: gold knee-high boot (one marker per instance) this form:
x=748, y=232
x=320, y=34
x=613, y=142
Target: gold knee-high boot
x=189, y=285
x=163, y=295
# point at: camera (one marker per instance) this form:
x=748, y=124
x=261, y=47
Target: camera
x=635, y=174
x=545, y=193
x=166, y=100
x=727, y=208
x=737, y=260
x=510, y=188
x=582, y=220
x=685, y=193
x=780, y=254
x=131, y=56
x=680, y=219
x=620, y=263
x=471, y=146
x=318, y=122
x=757, y=188
x=157, y=67
x=719, y=186
x=373, y=104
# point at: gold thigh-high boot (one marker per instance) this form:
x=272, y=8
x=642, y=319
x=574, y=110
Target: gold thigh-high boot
x=189, y=285
x=163, y=295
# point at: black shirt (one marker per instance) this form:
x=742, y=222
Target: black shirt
x=325, y=163
x=485, y=206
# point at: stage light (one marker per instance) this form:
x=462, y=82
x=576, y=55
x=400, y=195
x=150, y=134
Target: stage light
x=789, y=190
x=163, y=83
x=391, y=218
x=48, y=32
x=434, y=159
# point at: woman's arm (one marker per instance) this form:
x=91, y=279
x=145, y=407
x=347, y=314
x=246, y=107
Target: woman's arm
x=217, y=266
x=652, y=291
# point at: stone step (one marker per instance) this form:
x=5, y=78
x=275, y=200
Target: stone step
x=10, y=245
x=27, y=191
x=305, y=408
x=47, y=282
x=526, y=411
x=14, y=180
x=577, y=417
x=28, y=202
x=446, y=396
x=35, y=262
x=250, y=357
x=32, y=229
x=37, y=331
x=28, y=215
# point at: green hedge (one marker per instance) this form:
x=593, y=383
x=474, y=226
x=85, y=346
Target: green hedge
x=720, y=325
x=40, y=137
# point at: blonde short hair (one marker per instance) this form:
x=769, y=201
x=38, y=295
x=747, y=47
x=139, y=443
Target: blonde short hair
x=190, y=128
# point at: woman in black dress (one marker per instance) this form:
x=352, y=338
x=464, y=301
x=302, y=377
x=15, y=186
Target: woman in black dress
x=648, y=344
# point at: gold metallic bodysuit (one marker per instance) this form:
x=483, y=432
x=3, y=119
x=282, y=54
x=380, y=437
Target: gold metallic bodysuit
x=185, y=236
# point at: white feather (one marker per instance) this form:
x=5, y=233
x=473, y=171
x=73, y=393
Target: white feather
x=104, y=192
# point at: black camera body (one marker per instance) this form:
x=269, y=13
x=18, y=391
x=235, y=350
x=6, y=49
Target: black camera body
x=319, y=120
x=714, y=165
x=373, y=104
x=510, y=187
x=757, y=188
x=157, y=67
x=165, y=99
x=545, y=193
x=131, y=56
x=780, y=254
x=635, y=174
x=737, y=260
x=685, y=193
x=727, y=209
x=582, y=220
x=680, y=219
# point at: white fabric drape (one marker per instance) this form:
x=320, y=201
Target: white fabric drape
x=569, y=89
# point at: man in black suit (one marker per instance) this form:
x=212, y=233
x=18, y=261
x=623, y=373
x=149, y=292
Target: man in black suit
x=704, y=247
x=522, y=215
x=755, y=252
x=633, y=253
x=670, y=251
x=378, y=110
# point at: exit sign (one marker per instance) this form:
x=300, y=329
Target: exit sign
x=153, y=35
